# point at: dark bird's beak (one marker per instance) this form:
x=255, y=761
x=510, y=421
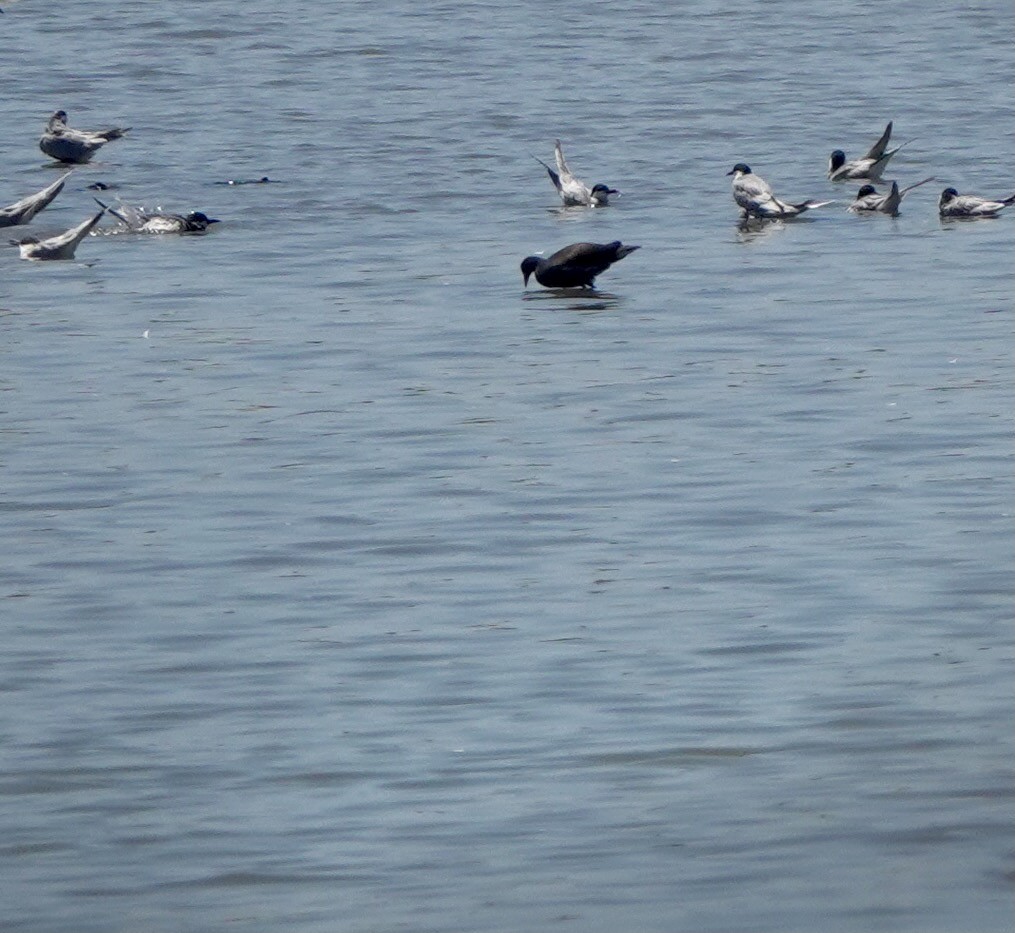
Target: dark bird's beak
x=212, y=220
x=732, y=171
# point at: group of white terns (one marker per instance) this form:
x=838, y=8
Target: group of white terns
x=574, y=266
x=577, y=265
x=76, y=147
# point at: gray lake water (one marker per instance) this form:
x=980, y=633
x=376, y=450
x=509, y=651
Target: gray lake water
x=346, y=585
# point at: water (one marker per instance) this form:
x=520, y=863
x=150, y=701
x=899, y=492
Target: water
x=348, y=586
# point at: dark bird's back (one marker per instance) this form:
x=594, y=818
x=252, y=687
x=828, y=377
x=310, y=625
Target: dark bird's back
x=575, y=266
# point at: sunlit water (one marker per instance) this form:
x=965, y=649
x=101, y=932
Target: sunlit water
x=348, y=586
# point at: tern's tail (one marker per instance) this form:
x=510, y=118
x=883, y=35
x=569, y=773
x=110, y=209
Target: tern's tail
x=810, y=205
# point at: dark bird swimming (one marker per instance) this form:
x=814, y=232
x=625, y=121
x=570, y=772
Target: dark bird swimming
x=575, y=266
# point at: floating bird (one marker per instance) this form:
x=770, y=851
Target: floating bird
x=57, y=247
x=158, y=222
x=24, y=210
x=264, y=180
x=953, y=204
x=755, y=197
x=868, y=200
x=64, y=144
x=575, y=266
x=870, y=166
x=574, y=192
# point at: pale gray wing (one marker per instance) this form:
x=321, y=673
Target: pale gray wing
x=878, y=149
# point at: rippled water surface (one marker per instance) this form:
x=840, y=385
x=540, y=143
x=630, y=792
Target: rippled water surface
x=349, y=586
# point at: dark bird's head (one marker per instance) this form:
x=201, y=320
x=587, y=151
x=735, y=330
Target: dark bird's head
x=741, y=168
x=601, y=193
x=25, y=241
x=947, y=195
x=865, y=190
x=836, y=160
x=529, y=264
x=197, y=220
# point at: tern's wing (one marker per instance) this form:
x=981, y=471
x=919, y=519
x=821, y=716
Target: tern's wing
x=878, y=149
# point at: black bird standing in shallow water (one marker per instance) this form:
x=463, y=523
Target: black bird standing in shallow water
x=575, y=266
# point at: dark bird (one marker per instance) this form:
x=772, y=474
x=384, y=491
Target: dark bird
x=575, y=266
x=24, y=210
x=953, y=204
x=64, y=144
x=263, y=180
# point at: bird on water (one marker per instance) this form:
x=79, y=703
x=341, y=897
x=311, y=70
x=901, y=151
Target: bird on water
x=755, y=197
x=575, y=266
x=868, y=201
x=870, y=166
x=64, y=144
x=573, y=191
x=61, y=246
x=953, y=204
x=159, y=222
x=21, y=212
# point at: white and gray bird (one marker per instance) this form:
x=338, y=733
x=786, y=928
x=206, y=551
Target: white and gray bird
x=868, y=201
x=21, y=212
x=754, y=196
x=953, y=204
x=139, y=221
x=57, y=247
x=64, y=144
x=573, y=191
x=870, y=166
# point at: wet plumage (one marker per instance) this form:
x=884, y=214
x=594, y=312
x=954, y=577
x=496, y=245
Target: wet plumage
x=871, y=166
x=953, y=204
x=573, y=191
x=64, y=144
x=575, y=266
x=140, y=221
x=755, y=197
x=21, y=212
